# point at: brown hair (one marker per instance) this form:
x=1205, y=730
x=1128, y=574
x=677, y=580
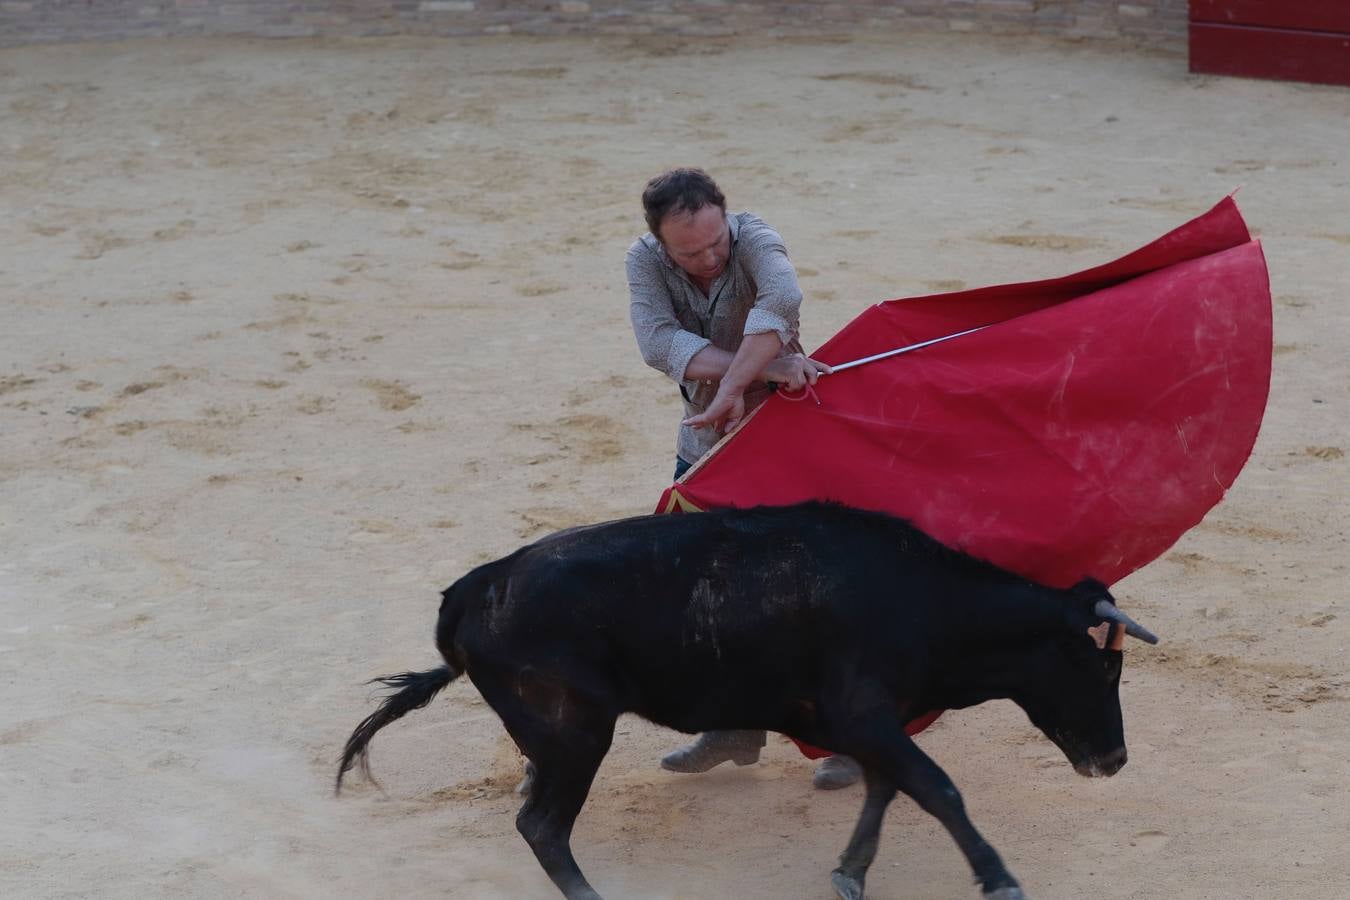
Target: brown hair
x=679, y=190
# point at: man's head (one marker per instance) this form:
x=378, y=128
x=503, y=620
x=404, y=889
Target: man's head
x=687, y=214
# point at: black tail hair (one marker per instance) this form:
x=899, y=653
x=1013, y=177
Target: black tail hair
x=414, y=691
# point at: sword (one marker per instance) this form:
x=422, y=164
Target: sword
x=807, y=391
x=899, y=350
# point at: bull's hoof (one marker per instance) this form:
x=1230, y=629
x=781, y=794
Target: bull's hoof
x=1012, y=892
x=582, y=892
x=846, y=886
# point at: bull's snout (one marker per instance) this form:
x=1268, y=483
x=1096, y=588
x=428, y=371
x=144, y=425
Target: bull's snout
x=1105, y=765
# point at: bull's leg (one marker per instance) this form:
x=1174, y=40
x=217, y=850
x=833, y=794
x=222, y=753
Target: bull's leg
x=922, y=779
x=862, y=847
x=561, y=783
x=565, y=735
x=879, y=742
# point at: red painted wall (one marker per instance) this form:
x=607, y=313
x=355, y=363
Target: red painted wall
x=1305, y=40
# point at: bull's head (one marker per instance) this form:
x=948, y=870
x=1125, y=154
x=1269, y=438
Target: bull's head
x=1072, y=689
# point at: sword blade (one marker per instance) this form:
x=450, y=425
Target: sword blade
x=899, y=350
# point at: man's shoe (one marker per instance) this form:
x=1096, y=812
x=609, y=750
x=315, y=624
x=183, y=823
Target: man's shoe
x=836, y=772
x=714, y=748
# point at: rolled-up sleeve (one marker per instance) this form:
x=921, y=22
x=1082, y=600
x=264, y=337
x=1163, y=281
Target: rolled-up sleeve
x=664, y=345
x=778, y=298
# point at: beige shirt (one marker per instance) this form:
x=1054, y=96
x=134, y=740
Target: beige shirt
x=673, y=319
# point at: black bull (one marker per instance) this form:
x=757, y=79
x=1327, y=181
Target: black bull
x=829, y=624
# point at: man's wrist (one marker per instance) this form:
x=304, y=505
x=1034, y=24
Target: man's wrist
x=733, y=386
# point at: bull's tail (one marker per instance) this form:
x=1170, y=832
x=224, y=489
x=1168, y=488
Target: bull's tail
x=413, y=690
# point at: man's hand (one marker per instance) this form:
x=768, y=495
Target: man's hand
x=794, y=372
x=723, y=414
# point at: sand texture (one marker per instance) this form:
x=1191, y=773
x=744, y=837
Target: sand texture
x=293, y=333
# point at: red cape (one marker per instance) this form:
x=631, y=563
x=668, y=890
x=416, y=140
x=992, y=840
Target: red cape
x=1096, y=420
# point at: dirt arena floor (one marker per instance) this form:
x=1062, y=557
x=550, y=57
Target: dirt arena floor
x=295, y=332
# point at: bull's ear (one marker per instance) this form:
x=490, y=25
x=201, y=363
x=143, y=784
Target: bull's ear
x=1108, y=635
x=1091, y=590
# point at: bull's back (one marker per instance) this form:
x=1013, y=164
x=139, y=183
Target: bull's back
x=722, y=597
x=678, y=611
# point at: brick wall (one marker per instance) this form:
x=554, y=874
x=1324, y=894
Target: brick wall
x=1156, y=22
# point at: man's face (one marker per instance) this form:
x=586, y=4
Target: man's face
x=698, y=242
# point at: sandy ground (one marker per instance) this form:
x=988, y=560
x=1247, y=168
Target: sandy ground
x=295, y=332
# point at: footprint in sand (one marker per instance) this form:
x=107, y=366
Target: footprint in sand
x=296, y=364
x=1191, y=561
x=373, y=531
x=885, y=79
x=140, y=387
x=859, y=131
x=93, y=244
x=1059, y=243
x=547, y=519
x=11, y=383
x=1150, y=841
x=180, y=230
x=391, y=395
x=945, y=284
x=534, y=72
x=582, y=396
x=584, y=438
x=314, y=405
x=459, y=265
x=540, y=289
x=1238, y=166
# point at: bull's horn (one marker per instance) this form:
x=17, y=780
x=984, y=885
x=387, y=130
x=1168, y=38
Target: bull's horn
x=1108, y=610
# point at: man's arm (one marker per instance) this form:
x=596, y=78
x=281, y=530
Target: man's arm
x=728, y=407
x=778, y=297
x=709, y=364
x=756, y=360
x=771, y=324
x=664, y=344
